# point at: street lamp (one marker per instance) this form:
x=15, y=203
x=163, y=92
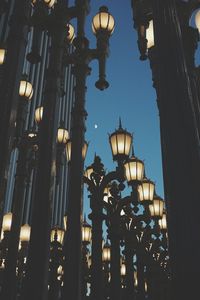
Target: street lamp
x=86, y=232
x=25, y=89
x=38, y=114
x=156, y=208
x=134, y=170
x=2, y=55
x=146, y=191
x=120, y=142
x=69, y=147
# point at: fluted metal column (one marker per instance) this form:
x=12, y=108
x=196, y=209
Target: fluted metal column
x=180, y=150
x=9, y=278
x=96, y=267
x=73, y=258
x=39, y=248
x=9, y=89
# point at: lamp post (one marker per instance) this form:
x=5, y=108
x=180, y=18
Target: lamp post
x=9, y=85
x=103, y=26
x=97, y=181
x=86, y=240
x=124, y=218
x=172, y=61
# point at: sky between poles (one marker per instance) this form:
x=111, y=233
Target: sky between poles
x=129, y=96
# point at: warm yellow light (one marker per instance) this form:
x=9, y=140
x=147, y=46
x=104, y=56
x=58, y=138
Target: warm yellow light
x=32, y=134
x=145, y=286
x=70, y=33
x=107, y=194
x=38, y=114
x=84, y=150
x=156, y=208
x=89, y=170
x=150, y=35
x=123, y=269
x=106, y=253
x=57, y=234
x=62, y=136
x=197, y=20
x=25, y=233
x=134, y=170
x=163, y=222
x=2, y=55
x=7, y=221
x=135, y=279
x=86, y=232
x=146, y=191
x=103, y=22
x=25, y=89
x=50, y=3
x=120, y=142
x=89, y=260
x=68, y=150
x=65, y=222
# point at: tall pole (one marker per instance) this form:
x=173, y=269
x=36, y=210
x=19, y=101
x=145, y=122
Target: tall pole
x=39, y=248
x=9, y=88
x=9, y=277
x=73, y=258
x=180, y=150
x=96, y=267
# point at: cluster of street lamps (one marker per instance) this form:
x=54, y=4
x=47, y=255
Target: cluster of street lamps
x=34, y=128
x=131, y=259
x=136, y=227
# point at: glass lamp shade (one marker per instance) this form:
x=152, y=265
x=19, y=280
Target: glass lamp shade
x=123, y=269
x=57, y=234
x=7, y=222
x=135, y=279
x=65, y=222
x=25, y=233
x=86, y=233
x=146, y=191
x=70, y=33
x=38, y=114
x=68, y=150
x=106, y=253
x=163, y=222
x=150, y=35
x=50, y=3
x=62, y=136
x=84, y=150
x=134, y=170
x=89, y=170
x=120, y=142
x=156, y=208
x=25, y=89
x=103, y=22
x=89, y=260
x=107, y=194
x=197, y=20
x=60, y=271
x=2, y=55
x=32, y=134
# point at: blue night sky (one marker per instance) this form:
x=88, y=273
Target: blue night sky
x=129, y=96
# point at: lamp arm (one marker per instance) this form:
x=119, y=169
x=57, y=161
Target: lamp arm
x=114, y=175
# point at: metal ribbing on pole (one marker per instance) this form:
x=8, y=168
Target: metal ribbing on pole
x=180, y=150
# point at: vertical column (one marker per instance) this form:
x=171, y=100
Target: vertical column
x=180, y=150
